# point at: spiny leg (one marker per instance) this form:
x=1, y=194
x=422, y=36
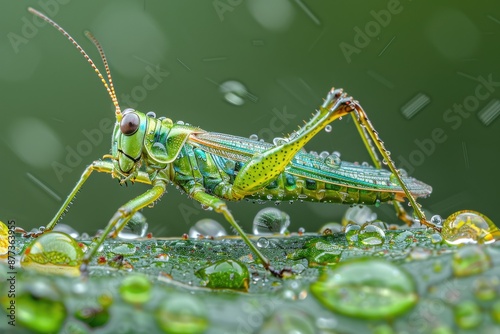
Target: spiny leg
x=218, y=205
x=99, y=166
x=121, y=218
x=372, y=151
x=265, y=166
x=362, y=119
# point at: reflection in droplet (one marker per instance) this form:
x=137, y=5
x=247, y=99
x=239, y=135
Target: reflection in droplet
x=276, y=15
x=234, y=92
x=225, y=274
x=270, y=221
x=135, y=289
x=53, y=252
x=137, y=227
x=371, y=235
x=366, y=288
x=469, y=226
x=24, y=138
x=207, y=227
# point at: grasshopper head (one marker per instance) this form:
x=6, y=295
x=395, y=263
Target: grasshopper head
x=128, y=139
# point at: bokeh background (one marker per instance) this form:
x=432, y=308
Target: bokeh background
x=427, y=73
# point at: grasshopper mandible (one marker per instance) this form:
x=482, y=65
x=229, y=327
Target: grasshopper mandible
x=214, y=167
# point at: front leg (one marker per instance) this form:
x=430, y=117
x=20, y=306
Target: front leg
x=121, y=218
x=264, y=167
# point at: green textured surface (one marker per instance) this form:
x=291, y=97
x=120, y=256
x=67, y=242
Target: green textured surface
x=168, y=283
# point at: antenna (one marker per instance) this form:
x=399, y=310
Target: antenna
x=109, y=87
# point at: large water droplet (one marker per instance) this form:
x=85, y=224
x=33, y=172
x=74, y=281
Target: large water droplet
x=333, y=160
x=318, y=252
x=137, y=227
x=470, y=260
x=225, y=274
x=207, y=227
x=467, y=315
x=181, y=313
x=469, y=227
x=53, y=252
x=4, y=240
x=38, y=306
x=366, y=288
x=135, y=289
x=371, y=235
x=270, y=221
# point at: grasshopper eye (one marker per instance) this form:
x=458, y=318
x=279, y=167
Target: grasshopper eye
x=129, y=124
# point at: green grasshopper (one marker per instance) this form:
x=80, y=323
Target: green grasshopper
x=213, y=167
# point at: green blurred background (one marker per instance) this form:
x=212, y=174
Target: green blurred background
x=249, y=67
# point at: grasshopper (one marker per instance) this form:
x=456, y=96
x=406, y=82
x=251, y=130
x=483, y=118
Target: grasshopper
x=213, y=167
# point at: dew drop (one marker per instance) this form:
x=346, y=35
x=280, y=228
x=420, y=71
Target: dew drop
x=469, y=226
x=270, y=221
x=262, y=242
x=324, y=154
x=328, y=128
x=4, y=240
x=137, y=227
x=351, y=233
x=207, y=227
x=53, y=252
x=467, y=315
x=182, y=313
x=333, y=161
x=366, y=288
x=225, y=274
x=135, y=289
x=437, y=220
x=253, y=137
x=470, y=260
x=371, y=235
x=332, y=227
x=290, y=321
x=278, y=141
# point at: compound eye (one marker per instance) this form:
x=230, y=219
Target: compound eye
x=129, y=124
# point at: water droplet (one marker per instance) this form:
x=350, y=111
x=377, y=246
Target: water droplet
x=262, y=242
x=53, y=252
x=253, y=137
x=469, y=227
x=301, y=230
x=39, y=306
x=93, y=316
x=394, y=179
x=124, y=249
x=207, y=227
x=371, y=235
x=318, y=252
x=366, y=288
x=333, y=161
x=182, y=313
x=137, y=227
x=358, y=215
x=403, y=172
x=328, y=128
x=4, y=240
x=384, y=162
x=470, y=260
x=225, y=274
x=324, y=154
x=234, y=92
x=290, y=321
x=467, y=315
x=437, y=220
x=180, y=122
x=436, y=238
x=278, y=141
x=351, y=233
x=485, y=288
x=270, y=221
x=135, y=289
x=332, y=227
x=405, y=237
